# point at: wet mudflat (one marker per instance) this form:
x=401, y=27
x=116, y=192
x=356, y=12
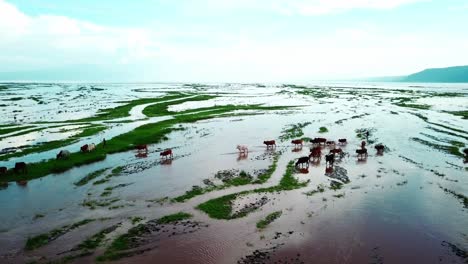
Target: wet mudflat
x=211, y=205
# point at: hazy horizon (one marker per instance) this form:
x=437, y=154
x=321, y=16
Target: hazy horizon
x=228, y=41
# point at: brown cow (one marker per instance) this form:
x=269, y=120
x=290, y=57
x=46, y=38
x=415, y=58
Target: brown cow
x=142, y=148
x=270, y=143
x=21, y=167
x=380, y=148
x=330, y=143
x=166, y=153
x=302, y=160
x=3, y=170
x=329, y=159
x=84, y=148
x=320, y=141
x=342, y=141
x=362, y=153
x=297, y=142
x=315, y=154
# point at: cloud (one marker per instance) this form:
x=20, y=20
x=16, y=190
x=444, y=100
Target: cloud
x=302, y=7
x=42, y=41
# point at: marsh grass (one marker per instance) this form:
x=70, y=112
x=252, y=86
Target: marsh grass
x=91, y=176
x=124, y=242
x=221, y=207
x=268, y=219
x=43, y=239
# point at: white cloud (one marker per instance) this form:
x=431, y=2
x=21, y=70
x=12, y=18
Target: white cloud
x=55, y=41
x=301, y=7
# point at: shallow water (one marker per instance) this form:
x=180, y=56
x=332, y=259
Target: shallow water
x=392, y=211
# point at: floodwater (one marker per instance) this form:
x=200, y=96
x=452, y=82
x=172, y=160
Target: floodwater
x=393, y=210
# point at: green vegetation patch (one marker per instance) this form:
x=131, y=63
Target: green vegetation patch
x=162, y=109
x=242, y=179
x=463, y=114
x=293, y=131
x=453, y=149
x=323, y=130
x=126, y=241
x=44, y=239
x=268, y=219
x=96, y=240
x=8, y=130
x=221, y=208
x=46, y=146
x=91, y=176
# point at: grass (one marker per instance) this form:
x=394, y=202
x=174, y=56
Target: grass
x=414, y=106
x=293, y=131
x=463, y=114
x=89, y=131
x=8, y=130
x=453, y=149
x=145, y=134
x=173, y=218
x=124, y=110
x=221, y=207
x=268, y=219
x=323, y=130
x=96, y=240
x=91, y=176
x=124, y=242
x=242, y=179
x=459, y=196
x=44, y=239
x=162, y=109
x=93, y=204
x=320, y=189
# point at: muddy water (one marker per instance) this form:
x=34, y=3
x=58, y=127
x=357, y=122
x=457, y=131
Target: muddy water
x=392, y=211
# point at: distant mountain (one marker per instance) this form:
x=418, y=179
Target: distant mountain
x=457, y=74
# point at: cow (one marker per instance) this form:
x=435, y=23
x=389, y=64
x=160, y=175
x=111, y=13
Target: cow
x=302, y=160
x=91, y=147
x=329, y=159
x=3, y=170
x=270, y=143
x=362, y=153
x=315, y=154
x=363, y=145
x=330, y=143
x=466, y=155
x=22, y=183
x=20, y=167
x=84, y=148
x=342, y=141
x=143, y=148
x=318, y=141
x=243, y=149
x=166, y=154
x=63, y=154
x=380, y=148
x=297, y=142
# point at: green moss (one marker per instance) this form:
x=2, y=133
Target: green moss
x=415, y=106
x=43, y=239
x=91, y=176
x=268, y=219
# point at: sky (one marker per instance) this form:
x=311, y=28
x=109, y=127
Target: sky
x=228, y=40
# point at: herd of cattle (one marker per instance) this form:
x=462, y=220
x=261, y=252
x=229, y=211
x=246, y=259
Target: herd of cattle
x=314, y=157
x=316, y=151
